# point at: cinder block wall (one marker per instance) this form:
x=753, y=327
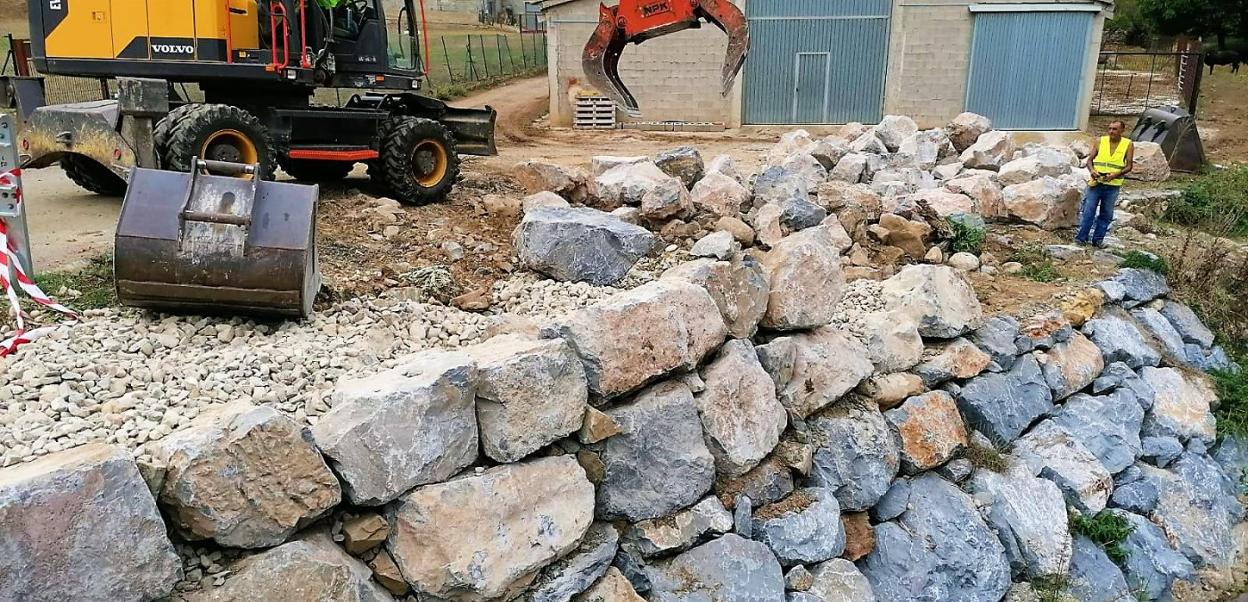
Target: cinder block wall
x=929, y=58
x=674, y=77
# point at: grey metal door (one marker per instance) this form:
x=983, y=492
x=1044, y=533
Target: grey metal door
x=1028, y=68
x=816, y=61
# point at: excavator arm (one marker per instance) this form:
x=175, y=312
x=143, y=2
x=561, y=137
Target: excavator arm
x=635, y=21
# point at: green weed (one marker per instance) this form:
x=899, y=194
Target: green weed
x=1232, y=385
x=1145, y=261
x=987, y=458
x=94, y=282
x=1107, y=530
x=967, y=238
x=1211, y=198
x=1037, y=265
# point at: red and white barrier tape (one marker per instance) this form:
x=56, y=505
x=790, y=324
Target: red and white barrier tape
x=9, y=258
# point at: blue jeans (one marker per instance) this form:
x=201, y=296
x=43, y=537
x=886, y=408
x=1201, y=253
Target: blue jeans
x=1098, y=212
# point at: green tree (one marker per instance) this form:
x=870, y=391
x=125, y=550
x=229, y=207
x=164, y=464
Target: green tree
x=1205, y=18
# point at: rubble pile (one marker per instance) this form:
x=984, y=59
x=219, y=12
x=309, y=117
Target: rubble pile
x=884, y=192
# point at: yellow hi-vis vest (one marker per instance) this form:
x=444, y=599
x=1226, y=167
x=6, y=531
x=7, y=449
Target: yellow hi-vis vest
x=1110, y=160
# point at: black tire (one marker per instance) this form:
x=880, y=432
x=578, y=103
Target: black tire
x=219, y=133
x=316, y=171
x=89, y=174
x=160, y=134
x=418, y=161
x=376, y=169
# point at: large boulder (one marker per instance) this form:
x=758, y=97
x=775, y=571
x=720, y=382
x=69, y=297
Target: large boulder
x=790, y=142
x=224, y=482
x=613, y=587
x=728, y=569
x=408, y=426
x=930, y=430
x=828, y=151
x=741, y=417
x=627, y=184
x=683, y=325
x=911, y=236
x=998, y=338
x=939, y=549
x=1093, y=576
x=927, y=148
x=484, y=536
x=679, y=531
x=1139, y=286
x=806, y=167
x=1160, y=330
x=813, y=370
x=724, y=165
x=580, y=569
x=1197, y=506
x=720, y=195
x=965, y=130
x=894, y=129
x=600, y=164
x=937, y=297
x=869, y=144
x=803, y=528
x=985, y=193
x=312, y=568
x=668, y=199
x=1108, y=425
x=838, y=580
x=990, y=151
x=1181, y=406
x=804, y=273
x=1151, y=164
x=1034, y=166
x=1002, y=405
x=944, y=202
x=684, y=164
x=850, y=168
x=1026, y=513
x=1120, y=340
x=1047, y=202
x=958, y=359
x=82, y=525
x=892, y=341
x=1048, y=451
x=1152, y=565
x=777, y=184
x=538, y=176
x=529, y=394
x=739, y=288
x=659, y=463
x=1071, y=365
x=1187, y=324
x=856, y=453
x=579, y=244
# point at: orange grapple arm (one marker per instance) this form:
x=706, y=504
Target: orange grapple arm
x=635, y=21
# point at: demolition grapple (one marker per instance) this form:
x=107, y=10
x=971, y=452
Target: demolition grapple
x=636, y=21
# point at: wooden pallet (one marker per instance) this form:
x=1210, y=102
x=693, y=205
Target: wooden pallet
x=594, y=113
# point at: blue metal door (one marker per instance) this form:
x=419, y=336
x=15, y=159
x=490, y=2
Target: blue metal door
x=816, y=61
x=1028, y=68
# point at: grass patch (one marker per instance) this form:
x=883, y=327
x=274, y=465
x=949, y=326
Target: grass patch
x=1037, y=265
x=1217, y=201
x=985, y=457
x=1051, y=589
x=94, y=283
x=1107, y=530
x=1232, y=385
x=967, y=238
x=1145, y=261
x=1207, y=272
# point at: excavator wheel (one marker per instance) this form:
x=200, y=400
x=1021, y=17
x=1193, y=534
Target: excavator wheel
x=89, y=174
x=217, y=133
x=316, y=171
x=418, y=160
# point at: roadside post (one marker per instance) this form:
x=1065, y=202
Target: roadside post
x=12, y=205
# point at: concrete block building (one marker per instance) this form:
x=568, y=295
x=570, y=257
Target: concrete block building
x=1027, y=65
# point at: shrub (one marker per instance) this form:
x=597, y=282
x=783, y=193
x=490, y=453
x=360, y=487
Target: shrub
x=1216, y=200
x=1107, y=530
x=1208, y=273
x=967, y=237
x=1232, y=385
x=1145, y=261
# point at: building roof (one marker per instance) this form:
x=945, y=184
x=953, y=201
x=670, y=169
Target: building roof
x=545, y=4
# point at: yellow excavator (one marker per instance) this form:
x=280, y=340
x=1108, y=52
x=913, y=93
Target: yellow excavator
x=258, y=64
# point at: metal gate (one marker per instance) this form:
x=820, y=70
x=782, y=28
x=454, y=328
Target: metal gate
x=1028, y=68
x=816, y=61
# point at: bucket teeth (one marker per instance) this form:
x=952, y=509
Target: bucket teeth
x=601, y=58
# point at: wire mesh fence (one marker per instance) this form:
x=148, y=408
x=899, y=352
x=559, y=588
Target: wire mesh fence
x=1127, y=83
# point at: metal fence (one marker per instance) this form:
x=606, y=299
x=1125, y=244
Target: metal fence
x=1128, y=82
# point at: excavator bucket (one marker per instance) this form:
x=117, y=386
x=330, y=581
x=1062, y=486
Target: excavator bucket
x=219, y=240
x=635, y=21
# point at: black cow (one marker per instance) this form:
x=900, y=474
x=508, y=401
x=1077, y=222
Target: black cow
x=1225, y=57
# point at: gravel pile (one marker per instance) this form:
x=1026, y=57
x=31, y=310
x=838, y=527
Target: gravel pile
x=126, y=377
x=861, y=298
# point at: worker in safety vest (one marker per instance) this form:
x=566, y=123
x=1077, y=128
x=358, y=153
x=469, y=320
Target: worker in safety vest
x=1111, y=160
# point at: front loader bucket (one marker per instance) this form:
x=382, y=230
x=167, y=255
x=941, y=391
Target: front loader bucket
x=217, y=244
